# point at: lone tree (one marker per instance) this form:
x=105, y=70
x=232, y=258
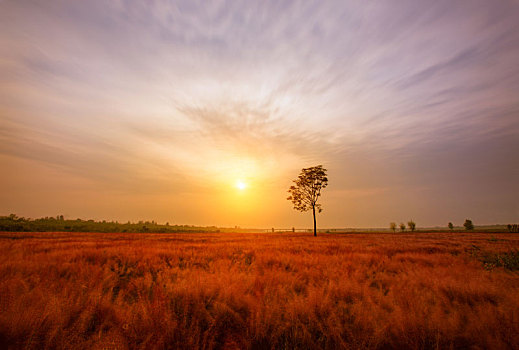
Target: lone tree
x=402, y=227
x=307, y=190
x=451, y=226
x=469, y=226
x=412, y=225
x=392, y=226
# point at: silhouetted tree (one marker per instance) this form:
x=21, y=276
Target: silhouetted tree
x=402, y=227
x=392, y=226
x=451, y=226
x=412, y=225
x=468, y=225
x=307, y=190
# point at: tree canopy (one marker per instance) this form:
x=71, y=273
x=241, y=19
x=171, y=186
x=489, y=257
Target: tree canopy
x=306, y=190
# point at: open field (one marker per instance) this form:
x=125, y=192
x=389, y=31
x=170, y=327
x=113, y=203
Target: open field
x=146, y=291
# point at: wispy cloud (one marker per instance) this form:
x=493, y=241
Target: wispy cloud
x=153, y=92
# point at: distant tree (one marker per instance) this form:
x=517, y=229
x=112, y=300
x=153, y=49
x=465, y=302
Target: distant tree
x=402, y=227
x=392, y=226
x=451, y=226
x=509, y=227
x=468, y=225
x=307, y=190
x=412, y=225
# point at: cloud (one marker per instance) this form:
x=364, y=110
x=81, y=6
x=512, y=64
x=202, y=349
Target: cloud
x=152, y=92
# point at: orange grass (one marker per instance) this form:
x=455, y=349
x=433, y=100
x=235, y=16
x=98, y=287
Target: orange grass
x=255, y=291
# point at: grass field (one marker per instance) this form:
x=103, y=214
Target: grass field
x=259, y=291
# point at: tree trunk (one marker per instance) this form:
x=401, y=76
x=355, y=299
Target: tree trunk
x=315, y=226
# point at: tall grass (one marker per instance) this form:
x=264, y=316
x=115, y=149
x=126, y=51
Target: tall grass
x=255, y=291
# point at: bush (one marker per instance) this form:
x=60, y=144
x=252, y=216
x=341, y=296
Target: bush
x=468, y=225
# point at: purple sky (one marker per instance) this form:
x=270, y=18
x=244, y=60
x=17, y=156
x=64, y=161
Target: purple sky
x=131, y=110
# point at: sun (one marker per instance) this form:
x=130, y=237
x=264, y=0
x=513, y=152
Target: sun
x=241, y=185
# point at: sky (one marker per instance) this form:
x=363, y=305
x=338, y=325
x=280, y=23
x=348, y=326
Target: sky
x=165, y=110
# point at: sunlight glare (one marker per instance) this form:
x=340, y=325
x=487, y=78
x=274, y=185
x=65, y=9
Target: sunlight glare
x=241, y=185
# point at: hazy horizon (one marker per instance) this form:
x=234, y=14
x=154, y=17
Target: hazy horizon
x=255, y=229
x=203, y=113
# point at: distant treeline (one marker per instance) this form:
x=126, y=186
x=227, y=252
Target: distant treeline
x=14, y=223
